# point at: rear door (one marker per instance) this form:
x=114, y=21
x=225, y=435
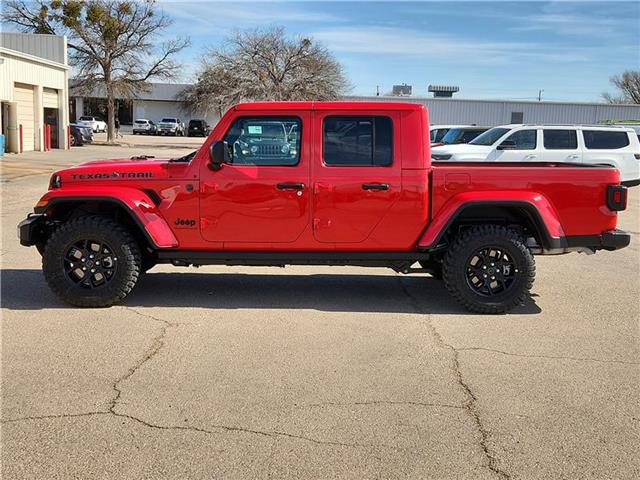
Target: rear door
x=262, y=196
x=561, y=145
x=356, y=173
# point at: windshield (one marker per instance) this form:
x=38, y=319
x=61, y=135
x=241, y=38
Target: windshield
x=185, y=158
x=489, y=137
x=86, y=118
x=169, y=120
x=141, y=121
x=452, y=136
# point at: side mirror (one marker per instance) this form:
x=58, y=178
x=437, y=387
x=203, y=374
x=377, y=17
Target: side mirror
x=218, y=154
x=507, y=145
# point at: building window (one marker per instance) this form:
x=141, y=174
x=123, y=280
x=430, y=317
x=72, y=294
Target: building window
x=517, y=117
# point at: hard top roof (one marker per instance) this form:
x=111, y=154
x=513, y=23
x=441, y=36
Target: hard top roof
x=329, y=106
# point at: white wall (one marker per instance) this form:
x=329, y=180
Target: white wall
x=155, y=110
x=18, y=67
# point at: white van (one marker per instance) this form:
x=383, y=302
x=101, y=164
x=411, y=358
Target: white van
x=616, y=146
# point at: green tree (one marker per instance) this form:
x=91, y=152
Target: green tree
x=114, y=44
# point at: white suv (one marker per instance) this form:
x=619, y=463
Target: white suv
x=618, y=147
x=96, y=124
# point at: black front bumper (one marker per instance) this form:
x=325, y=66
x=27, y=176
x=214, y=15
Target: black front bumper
x=610, y=240
x=31, y=230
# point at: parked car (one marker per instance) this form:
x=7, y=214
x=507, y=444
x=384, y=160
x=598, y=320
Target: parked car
x=142, y=126
x=459, y=135
x=199, y=128
x=361, y=191
x=437, y=132
x=95, y=123
x=618, y=147
x=170, y=126
x=80, y=135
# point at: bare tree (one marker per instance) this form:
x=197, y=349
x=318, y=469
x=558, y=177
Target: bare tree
x=628, y=85
x=114, y=43
x=260, y=65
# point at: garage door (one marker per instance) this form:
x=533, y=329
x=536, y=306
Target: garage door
x=49, y=98
x=23, y=95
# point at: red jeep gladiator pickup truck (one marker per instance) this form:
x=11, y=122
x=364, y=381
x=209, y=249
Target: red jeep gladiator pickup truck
x=337, y=183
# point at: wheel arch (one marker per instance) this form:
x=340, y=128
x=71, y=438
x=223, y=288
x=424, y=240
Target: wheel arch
x=500, y=212
x=148, y=228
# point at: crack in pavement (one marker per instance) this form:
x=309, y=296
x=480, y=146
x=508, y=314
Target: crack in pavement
x=551, y=357
x=470, y=403
x=156, y=345
x=380, y=402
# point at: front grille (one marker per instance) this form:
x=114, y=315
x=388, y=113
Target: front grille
x=270, y=150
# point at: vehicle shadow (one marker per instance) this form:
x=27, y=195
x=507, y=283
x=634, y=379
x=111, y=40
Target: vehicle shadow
x=24, y=289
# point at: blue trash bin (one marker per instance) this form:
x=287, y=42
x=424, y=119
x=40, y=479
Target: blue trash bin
x=1, y=145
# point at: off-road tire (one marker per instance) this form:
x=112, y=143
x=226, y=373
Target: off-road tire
x=461, y=252
x=102, y=229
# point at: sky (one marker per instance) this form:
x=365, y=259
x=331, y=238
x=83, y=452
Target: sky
x=489, y=49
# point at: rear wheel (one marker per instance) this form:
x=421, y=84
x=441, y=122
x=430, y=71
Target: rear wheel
x=91, y=261
x=489, y=269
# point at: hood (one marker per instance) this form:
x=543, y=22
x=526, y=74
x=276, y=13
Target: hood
x=100, y=171
x=462, y=148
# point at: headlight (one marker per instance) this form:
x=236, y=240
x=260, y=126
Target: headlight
x=254, y=149
x=285, y=149
x=441, y=156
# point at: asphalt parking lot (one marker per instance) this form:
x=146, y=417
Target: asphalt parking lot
x=309, y=372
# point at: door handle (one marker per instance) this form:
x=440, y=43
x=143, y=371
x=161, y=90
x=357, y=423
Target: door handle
x=375, y=186
x=573, y=157
x=529, y=157
x=290, y=186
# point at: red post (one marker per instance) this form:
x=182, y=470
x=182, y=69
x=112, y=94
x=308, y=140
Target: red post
x=68, y=137
x=20, y=137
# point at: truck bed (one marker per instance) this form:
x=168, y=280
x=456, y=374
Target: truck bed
x=575, y=192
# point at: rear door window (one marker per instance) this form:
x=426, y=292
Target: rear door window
x=605, y=140
x=560, y=139
x=358, y=141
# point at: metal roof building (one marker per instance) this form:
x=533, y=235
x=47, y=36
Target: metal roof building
x=162, y=99
x=499, y=112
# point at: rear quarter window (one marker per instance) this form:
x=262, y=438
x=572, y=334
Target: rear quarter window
x=603, y=140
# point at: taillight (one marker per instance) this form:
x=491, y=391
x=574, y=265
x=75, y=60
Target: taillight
x=616, y=197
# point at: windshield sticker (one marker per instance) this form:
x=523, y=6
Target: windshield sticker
x=255, y=129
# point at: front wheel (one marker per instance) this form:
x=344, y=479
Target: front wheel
x=91, y=261
x=489, y=269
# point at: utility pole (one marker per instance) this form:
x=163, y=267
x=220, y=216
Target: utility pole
x=377, y=90
x=540, y=95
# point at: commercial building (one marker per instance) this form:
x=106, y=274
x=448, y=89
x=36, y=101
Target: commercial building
x=451, y=111
x=158, y=101
x=34, y=83
x=163, y=100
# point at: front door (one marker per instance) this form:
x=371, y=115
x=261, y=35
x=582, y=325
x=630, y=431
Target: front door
x=263, y=195
x=356, y=174
x=523, y=146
